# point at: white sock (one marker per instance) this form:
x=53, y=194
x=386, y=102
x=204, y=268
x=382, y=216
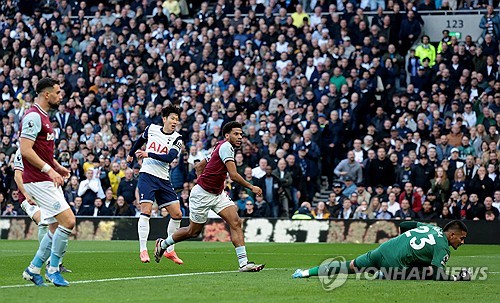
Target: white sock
x=173, y=225
x=241, y=253
x=34, y=269
x=305, y=273
x=143, y=230
x=53, y=269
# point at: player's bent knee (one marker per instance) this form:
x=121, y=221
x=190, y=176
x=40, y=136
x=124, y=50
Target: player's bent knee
x=70, y=223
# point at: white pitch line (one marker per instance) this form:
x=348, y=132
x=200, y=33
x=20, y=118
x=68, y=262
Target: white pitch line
x=184, y=252
x=143, y=277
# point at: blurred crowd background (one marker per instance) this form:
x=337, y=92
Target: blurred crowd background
x=344, y=116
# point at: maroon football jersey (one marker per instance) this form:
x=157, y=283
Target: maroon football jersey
x=214, y=176
x=36, y=126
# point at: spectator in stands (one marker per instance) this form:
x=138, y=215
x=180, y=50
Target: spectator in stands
x=392, y=204
x=109, y=202
x=380, y=170
x=349, y=168
x=482, y=185
x=262, y=208
x=409, y=32
x=122, y=208
x=475, y=210
x=427, y=212
x=321, y=211
x=220, y=70
x=384, y=213
x=71, y=189
x=346, y=212
x=304, y=212
x=127, y=187
x=490, y=23
x=9, y=210
x=90, y=189
x=423, y=173
x=178, y=172
x=412, y=196
x=271, y=185
x=248, y=211
x=361, y=211
x=405, y=213
x=426, y=50
x=286, y=181
x=244, y=198
x=488, y=207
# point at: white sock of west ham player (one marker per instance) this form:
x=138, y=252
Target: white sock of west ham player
x=241, y=253
x=173, y=225
x=143, y=230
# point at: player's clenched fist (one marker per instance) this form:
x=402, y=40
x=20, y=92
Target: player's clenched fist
x=257, y=190
x=140, y=154
x=56, y=177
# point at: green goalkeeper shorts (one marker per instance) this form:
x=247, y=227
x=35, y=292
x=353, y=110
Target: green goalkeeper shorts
x=372, y=259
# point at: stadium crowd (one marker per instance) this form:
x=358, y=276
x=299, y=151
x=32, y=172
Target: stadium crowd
x=326, y=97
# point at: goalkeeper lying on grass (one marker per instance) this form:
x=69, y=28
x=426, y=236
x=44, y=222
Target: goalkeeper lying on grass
x=421, y=248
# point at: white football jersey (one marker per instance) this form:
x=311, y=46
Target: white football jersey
x=159, y=143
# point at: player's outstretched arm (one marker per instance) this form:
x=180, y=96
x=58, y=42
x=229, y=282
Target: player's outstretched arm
x=439, y=274
x=235, y=176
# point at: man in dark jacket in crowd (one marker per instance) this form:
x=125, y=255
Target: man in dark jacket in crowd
x=380, y=170
x=423, y=173
x=271, y=185
x=127, y=186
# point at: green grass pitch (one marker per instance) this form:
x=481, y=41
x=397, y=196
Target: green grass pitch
x=208, y=275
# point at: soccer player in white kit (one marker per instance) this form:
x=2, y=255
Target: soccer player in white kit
x=163, y=145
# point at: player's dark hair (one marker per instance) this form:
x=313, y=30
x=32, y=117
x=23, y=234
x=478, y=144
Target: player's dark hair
x=228, y=127
x=170, y=109
x=455, y=225
x=45, y=83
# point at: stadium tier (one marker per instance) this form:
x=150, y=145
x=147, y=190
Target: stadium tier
x=370, y=110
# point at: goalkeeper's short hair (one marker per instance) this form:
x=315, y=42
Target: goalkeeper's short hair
x=455, y=225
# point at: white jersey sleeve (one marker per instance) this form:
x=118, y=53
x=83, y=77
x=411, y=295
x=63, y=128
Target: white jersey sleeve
x=18, y=161
x=226, y=152
x=32, y=125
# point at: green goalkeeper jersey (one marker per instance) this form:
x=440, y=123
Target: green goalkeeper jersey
x=422, y=246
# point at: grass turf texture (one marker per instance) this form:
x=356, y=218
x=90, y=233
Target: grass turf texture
x=93, y=260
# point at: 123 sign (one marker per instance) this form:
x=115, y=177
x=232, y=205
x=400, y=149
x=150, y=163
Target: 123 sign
x=455, y=23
